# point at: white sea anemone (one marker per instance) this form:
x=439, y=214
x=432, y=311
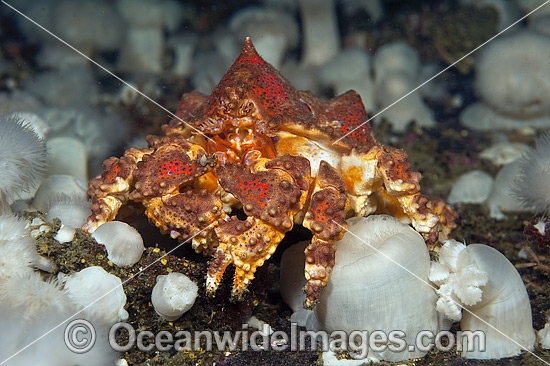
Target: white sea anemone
x=379, y=282
x=532, y=186
x=64, y=88
x=480, y=117
x=98, y=293
x=182, y=47
x=56, y=185
x=480, y=279
x=18, y=253
x=44, y=336
x=544, y=335
x=507, y=91
x=124, y=244
x=350, y=69
x=273, y=32
x=34, y=121
x=144, y=47
x=393, y=87
x=173, y=295
x=73, y=210
x=98, y=130
x=505, y=152
x=459, y=281
x=320, y=31
x=472, y=187
x=31, y=295
x=504, y=312
x=22, y=157
x=36, y=311
x=396, y=57
x=83, y=24
x=68, y=155
x=504, y=199
x=374, y=8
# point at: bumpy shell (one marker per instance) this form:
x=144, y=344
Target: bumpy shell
x=504, y=306
x=371, y=287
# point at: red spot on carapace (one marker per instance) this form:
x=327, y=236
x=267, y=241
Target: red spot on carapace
x=256, y=191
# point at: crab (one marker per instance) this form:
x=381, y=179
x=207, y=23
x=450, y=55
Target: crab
x=282, y=157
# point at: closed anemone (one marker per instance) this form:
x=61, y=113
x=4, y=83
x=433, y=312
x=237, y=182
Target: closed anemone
x=503, y=314
x=71, y=209
x=173, y=295
x=379, y=283
x=123, y=243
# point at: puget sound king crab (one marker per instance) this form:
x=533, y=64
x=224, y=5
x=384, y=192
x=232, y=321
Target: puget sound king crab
x=258, y=144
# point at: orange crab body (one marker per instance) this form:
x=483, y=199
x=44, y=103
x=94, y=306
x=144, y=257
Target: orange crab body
x=283, y=156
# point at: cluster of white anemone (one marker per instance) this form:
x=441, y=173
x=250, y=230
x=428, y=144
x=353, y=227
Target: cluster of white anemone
x=33, y=308
x=383, y=279
x=32, y=300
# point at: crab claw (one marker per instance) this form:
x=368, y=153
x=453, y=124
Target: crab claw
x=271, y=192
x=173, y=163
x=247, y=244
x=153, y=172
x=188, y=215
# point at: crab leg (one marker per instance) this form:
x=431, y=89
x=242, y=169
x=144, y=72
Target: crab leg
x=110, y=190
x=428, y=216
x=271, y=192
x=189, y=214
x=326, y=220
x=141, y=175
x=381, y=181
x=247, y=244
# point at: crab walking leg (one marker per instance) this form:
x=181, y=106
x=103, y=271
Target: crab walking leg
x=434, y=219
x=110, y=190
x=381, y=181
x=271, y=192
x=220, y=260
x=326, y=219
x=429, y=217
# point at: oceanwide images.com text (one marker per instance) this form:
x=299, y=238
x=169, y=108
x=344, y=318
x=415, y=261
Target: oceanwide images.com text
x=358, y=343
